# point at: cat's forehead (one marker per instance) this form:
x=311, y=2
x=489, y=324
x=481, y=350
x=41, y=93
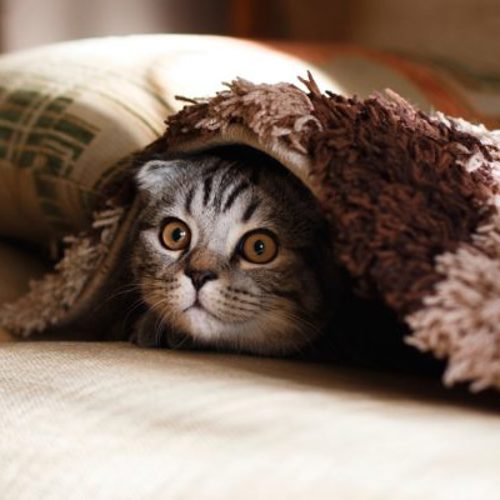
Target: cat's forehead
x=228, y=194
x=218, y=194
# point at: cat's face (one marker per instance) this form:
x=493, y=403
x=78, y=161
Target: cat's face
x=230, y=255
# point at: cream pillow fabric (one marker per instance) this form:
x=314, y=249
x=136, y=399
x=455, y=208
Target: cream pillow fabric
x=71, y=113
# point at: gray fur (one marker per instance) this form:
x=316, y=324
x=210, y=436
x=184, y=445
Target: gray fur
x=274, y=308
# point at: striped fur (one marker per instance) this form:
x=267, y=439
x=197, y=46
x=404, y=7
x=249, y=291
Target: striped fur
x=273, y=308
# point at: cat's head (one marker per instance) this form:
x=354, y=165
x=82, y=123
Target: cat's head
x=231, y=253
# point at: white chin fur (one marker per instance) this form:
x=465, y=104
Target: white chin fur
x=250, y=336
x=259, y=334
x=201, y=324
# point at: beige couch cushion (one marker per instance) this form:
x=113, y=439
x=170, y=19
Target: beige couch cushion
x=113, y=421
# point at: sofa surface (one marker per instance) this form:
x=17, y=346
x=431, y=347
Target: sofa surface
x=104, y=420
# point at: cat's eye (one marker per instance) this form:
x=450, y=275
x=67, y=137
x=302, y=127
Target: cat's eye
x=175, y=235
x=259, y=246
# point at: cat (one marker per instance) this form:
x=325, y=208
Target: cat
x=231, y=253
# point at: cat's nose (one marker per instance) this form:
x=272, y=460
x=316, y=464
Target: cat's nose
x=199, y=278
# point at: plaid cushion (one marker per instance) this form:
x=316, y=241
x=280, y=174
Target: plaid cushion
x=70, y=113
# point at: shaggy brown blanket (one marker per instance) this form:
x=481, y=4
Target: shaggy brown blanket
x=413, y=202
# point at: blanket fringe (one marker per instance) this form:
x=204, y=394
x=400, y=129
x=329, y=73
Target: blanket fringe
x=50, y=298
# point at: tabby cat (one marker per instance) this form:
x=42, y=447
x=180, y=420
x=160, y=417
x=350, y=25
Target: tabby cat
x=231, y=253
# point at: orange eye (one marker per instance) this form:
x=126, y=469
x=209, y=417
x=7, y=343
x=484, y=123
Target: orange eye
x=259, y=246
x=175, y=235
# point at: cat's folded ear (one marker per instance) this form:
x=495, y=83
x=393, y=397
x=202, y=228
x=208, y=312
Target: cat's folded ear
x=154, y=174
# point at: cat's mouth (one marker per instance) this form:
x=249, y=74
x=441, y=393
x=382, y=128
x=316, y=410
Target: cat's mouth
x=195, y=305
x=198, y=306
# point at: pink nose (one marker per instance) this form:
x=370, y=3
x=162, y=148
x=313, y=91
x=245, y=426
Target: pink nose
x=199, y=278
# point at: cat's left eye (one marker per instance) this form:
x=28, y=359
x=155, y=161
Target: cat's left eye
x=175, y=235
x=259, y=246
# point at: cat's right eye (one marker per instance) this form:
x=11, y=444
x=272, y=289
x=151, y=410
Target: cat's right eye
x=259, y=246
x=175, y=235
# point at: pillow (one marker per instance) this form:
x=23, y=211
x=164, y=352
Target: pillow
x=71, y=113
